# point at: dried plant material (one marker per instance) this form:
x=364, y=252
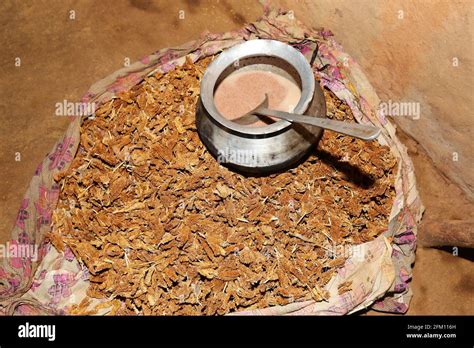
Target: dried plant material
x=344, y=287
x=164, y=229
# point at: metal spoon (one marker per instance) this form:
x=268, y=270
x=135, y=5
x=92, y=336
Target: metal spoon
x=353, y=129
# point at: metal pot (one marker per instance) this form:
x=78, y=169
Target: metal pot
x=270, y=148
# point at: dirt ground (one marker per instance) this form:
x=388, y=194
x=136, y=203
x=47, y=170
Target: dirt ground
x=62, y=57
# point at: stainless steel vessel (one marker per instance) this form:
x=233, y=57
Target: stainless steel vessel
x=265, y=149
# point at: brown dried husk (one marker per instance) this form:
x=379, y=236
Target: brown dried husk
x=164, y=229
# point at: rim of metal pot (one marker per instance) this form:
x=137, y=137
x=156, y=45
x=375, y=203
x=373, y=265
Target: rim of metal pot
x=257, y=48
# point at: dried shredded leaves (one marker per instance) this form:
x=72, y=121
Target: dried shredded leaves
x=164, y=229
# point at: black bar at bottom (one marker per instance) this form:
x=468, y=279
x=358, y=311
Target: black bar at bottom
x=242, y=330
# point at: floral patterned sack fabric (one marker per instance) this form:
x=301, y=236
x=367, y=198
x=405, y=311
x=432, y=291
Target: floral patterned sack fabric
x=53, y=282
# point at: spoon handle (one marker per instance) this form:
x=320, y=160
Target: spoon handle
x=353, y=129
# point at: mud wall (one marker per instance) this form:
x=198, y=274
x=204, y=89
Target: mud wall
x=417, y=52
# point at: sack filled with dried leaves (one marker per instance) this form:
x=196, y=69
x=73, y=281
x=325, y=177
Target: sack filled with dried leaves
x=157, y=226
x=163, y=228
